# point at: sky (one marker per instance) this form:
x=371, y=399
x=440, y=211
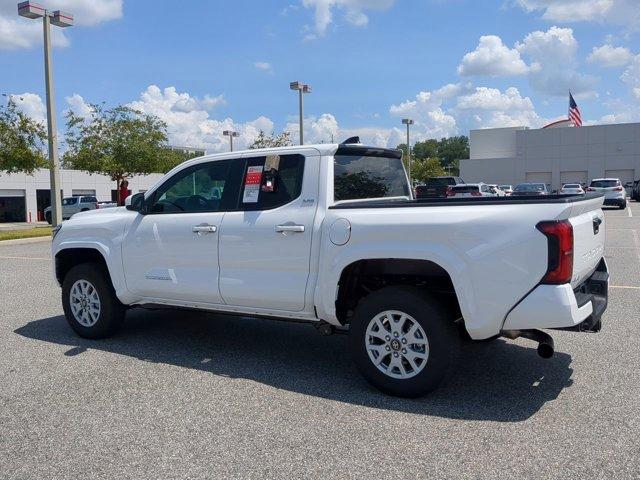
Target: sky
x=451, y=65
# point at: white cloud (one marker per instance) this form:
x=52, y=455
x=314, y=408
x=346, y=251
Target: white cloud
x=616, y=12
x=78, y=106
x=31, y=105
x=553, y=68
x=17, y=32
x=631, y=75
x=610, y=56
x=492, y=58
x=354, y=12
x=189, y=122
x=264, y=66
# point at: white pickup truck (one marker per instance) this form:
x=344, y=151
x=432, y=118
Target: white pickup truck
x=329, y=234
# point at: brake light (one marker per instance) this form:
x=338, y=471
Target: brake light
x=559, y=235
x=590, y=189
x=617, y=189
x=476, y=194
x=97, y=206
x=449, y=192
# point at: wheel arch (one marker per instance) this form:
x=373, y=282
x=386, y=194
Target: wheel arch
x=364, y=276
x=68, y=258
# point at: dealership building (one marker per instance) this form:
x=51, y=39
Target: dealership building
x=556, y=154
x=23, y=198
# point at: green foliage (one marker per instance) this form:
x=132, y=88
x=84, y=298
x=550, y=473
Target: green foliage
x=118, y=142
x=437, y=155
x=21, y=141
x=424, y=168
x=272, y=140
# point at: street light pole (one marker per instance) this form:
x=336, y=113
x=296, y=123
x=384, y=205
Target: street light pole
x=407, y=122
x=302, y=88
x=52, y=129
x=230, y=134
x=61, y=19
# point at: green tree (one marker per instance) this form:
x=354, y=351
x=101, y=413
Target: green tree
x=452, y=149
x=118, y=142
x=272, y=140
x=21, y=141
x=424, y=168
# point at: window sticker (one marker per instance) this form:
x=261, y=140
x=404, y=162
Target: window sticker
x=252, y=184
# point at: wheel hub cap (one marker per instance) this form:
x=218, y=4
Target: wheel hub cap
x=397, y=344
x=85, y=303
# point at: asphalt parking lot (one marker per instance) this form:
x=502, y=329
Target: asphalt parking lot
x=189, y=395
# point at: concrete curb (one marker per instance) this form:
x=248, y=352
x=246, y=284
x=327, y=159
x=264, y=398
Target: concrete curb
x=23, y=241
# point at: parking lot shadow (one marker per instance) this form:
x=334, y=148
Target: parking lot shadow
x=498, y=381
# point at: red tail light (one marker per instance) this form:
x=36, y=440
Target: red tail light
x=559, y=235
x=97, y=206
x=617, y=189
x=449, y=192
x=590, y=189
x=476, y=194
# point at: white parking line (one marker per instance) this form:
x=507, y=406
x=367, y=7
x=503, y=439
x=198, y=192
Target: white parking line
x=629, y=211
x=24, y=258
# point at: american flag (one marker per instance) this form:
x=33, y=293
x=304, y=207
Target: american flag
x=574, y=112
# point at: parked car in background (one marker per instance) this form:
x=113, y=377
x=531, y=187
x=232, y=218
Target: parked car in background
x=530, y=190
x=635, y=193
x=507, y=189
x=571, y=189
x=497, y=190
x=628, y=187
x=471, y=190
x=73, y=205
x=614, y=193
x=437, y=187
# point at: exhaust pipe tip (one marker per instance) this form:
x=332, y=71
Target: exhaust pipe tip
x=545, y=350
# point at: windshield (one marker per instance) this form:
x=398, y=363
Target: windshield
x=530, y=187
x=358, y=177
x=604, y=183
x=441, y=181
x=505, y=187
x=571, y=185
x=69, y=201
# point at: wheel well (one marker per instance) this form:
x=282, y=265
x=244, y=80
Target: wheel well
x=69, y=258
x=363, y=277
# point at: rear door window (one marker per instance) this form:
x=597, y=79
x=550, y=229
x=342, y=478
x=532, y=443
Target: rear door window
x=271, y=181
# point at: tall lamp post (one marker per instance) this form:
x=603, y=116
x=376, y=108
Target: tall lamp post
x=230, y=134
x=302, y=88
x=60, y=19
x=407, y=122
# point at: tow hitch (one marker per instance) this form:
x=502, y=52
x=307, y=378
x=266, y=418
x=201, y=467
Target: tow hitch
x=545, y=342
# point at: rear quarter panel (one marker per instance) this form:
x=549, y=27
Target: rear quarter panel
x=493, y=253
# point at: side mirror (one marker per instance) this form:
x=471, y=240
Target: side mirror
x=135, y=202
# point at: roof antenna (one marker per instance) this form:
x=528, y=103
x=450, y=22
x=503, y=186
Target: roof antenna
x=351, y=140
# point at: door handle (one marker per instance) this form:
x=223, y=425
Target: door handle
x=289, y=228
x=204, y=228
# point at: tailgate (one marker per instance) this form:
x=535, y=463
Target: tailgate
x=587, y=220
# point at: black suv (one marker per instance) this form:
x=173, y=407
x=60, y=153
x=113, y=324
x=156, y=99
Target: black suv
x=635, y=191
x=437, y=187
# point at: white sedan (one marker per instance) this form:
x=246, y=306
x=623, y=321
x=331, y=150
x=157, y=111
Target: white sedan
x=571, y=189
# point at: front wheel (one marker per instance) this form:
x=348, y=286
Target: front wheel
x=89, y=301
x=402, y=341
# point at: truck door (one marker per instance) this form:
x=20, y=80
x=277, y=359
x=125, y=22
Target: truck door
x=172, y=251
x=265, y=246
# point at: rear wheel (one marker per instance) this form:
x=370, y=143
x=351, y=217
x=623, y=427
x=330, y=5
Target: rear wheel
x=89, y=301
x=623, y=205
x=403, y=342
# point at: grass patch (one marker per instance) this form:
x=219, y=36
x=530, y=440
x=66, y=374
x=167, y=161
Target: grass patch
x=25, y=233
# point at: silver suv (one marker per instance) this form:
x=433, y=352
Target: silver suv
x=614, y=192
x=72, y=205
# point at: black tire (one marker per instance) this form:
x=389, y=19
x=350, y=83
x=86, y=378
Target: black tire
x=84, y=210
x=47, y=217
x=111, y=310
x=440, y=330
x=623, y=205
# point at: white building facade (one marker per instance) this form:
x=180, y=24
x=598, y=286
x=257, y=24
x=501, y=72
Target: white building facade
x=553, y=155
x=23, y=198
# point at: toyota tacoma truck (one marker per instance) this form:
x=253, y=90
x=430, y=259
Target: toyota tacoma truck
x=330, y=234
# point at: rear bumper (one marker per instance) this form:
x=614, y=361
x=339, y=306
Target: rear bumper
x=615, y=201
x=561, y=307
